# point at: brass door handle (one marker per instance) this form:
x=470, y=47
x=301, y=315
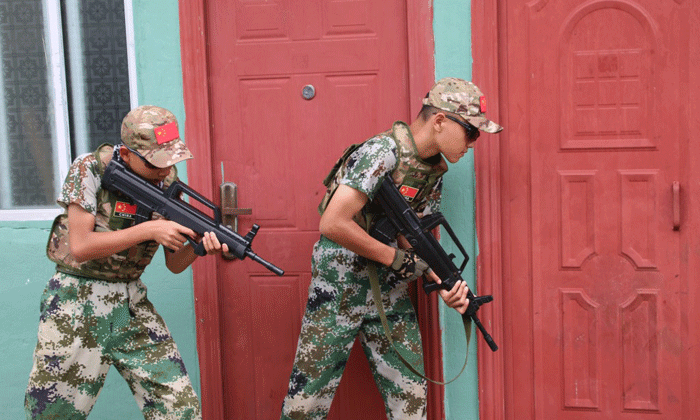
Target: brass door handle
x=235, y=211
x=676, y=205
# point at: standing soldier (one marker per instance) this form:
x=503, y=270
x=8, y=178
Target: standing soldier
x=340, y=306
x=94, y=310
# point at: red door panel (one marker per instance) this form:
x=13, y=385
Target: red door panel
x=594, y=141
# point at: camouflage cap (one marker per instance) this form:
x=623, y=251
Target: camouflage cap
x=152, y=131
x=462, y=98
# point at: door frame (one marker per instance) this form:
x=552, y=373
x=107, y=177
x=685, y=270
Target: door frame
x=490, y=215
x=195, y=70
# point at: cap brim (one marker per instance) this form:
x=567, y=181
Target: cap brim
x=167, y=154
x=483, y=124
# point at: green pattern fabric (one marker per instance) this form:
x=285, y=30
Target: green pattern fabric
x=88, y=325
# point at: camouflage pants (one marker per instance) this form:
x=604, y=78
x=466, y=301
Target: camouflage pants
x=340, y=307
x=88, y=325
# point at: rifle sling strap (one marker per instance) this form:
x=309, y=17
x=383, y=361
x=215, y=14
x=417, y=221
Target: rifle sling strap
x=377, y=295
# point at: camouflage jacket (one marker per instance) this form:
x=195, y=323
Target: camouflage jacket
x=112, y=212
x=364, y=165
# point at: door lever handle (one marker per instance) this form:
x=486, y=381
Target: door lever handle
x=229, y=205
x=676, y=205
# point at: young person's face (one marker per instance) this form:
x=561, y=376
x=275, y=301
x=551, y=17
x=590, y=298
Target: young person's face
x=142, y=167
x=457, y=138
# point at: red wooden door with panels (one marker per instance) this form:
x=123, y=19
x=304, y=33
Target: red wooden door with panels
x=274, y=91
x=593, y=218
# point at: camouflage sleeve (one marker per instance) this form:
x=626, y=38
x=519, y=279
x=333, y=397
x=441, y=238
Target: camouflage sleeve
x=81, y=184
x=433, y=201
x=366, y=167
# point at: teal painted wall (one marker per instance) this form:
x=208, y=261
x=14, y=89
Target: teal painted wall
x=452, y=32
x=22, y=244
x=25, y=273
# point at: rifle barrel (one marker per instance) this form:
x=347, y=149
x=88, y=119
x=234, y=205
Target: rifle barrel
x=253, y=256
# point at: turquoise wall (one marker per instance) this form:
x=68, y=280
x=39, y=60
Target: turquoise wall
x=452, y=32
x=25, y=272
x=22, y=244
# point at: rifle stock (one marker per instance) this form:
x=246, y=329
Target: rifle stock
x=400, y=218
x=149, y=199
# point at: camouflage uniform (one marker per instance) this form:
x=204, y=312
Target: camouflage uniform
x=96, y=314
x=86, y=325
x=340, y=306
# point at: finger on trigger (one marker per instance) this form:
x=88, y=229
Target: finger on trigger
x=188, y=232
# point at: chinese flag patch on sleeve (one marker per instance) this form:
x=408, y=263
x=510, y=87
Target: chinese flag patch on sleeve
x=409, y=193
x=166, y=133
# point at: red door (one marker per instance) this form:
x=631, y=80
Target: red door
x=595, y=237
x=284, y=88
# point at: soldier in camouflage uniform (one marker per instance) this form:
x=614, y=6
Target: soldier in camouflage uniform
x=340, y=305
x=94, y=310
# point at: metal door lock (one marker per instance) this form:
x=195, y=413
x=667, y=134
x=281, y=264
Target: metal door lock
x=230, y=210
x=308, y=92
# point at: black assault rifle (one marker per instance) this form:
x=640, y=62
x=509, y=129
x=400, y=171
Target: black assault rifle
x=149, y=199
x=400, y=218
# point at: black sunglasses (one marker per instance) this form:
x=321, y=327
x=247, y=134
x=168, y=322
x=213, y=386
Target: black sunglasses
x=148, y=164
x=472, y=132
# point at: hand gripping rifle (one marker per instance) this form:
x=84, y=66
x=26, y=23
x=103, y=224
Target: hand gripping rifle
x=400, y=218
x=149, y=199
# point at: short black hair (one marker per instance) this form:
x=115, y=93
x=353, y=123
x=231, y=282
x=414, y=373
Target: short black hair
x=427, y=110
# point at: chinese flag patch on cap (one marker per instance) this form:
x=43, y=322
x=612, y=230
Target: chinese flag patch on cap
x=166, y=133
x=482, y=104
x=409, y=193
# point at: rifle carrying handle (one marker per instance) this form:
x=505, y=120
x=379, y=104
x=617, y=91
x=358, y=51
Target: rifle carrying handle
x=177, y=187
